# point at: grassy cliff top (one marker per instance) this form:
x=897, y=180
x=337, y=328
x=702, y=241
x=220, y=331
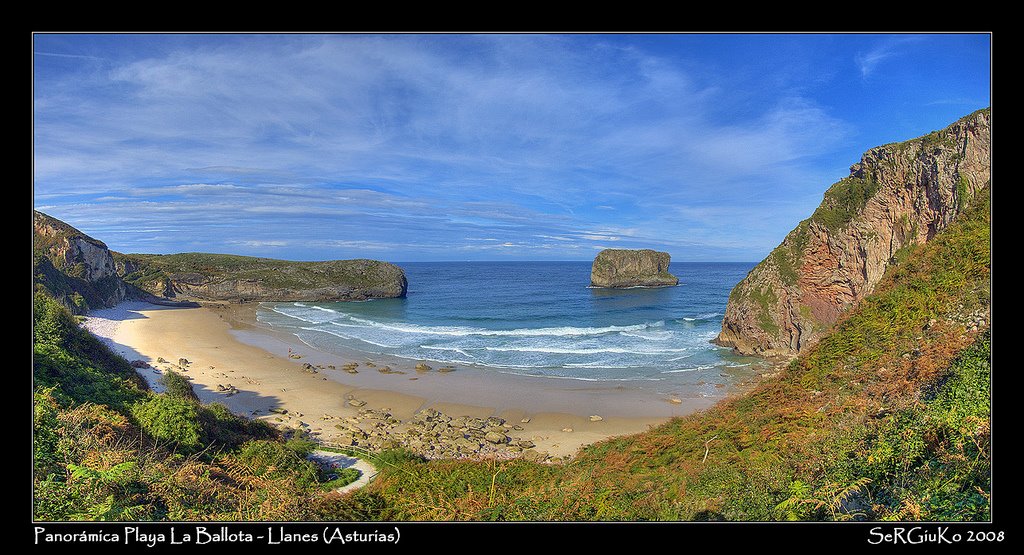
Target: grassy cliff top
x=269, y=271
x=49, y=230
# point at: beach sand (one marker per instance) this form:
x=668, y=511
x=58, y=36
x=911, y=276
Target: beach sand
x=228, y=349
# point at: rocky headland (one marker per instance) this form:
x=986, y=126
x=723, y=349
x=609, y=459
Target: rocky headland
x=898, y=195
x=82, y=273
x=619, y=268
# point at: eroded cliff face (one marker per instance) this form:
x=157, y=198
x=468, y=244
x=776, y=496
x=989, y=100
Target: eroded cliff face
x=217, y=277
x=631, y=268
x=74, y=266
x=897, y=195
x=83, y=274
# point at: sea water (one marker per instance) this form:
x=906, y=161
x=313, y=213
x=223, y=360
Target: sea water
x=534, y=318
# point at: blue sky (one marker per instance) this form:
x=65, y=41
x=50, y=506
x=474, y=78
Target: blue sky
x=474, y=147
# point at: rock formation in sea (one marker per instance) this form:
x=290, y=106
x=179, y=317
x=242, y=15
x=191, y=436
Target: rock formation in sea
x=631, y=268
x=898, y=195
x=83, y=273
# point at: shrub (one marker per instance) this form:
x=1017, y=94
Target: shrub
x=169, y=419
x=221, y=426
x=178, y=386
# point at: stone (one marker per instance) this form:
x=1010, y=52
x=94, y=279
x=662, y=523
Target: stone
x=525, y=420
x=831, y=261
x=567, y=429
x=422, y=368
x=533, y=455
x=675, y=401
x=494, y=437
x=139, y=364
x=183, y=362
x=357, y=403
x=618, y=268
x=595, y=418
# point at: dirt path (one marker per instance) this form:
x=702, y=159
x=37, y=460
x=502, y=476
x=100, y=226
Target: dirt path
x=367, y=471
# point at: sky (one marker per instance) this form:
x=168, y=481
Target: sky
x=474, y=147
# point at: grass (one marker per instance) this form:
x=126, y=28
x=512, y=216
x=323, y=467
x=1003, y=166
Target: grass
x=279, y=274
x=887, y=418
x=844, y=200
x=821, y=442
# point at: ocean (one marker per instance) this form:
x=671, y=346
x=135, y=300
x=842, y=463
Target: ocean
x=538, y=319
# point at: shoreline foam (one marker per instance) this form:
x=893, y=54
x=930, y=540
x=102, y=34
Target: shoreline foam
x=228, y=347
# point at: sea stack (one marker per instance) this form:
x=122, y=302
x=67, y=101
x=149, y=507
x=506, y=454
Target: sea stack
x=631, y=268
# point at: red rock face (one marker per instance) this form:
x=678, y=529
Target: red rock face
x=897, y=195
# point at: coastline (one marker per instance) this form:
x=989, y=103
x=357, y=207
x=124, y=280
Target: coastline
x=237, y=361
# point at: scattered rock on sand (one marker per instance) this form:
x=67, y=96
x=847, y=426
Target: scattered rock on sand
x=675, y=401
x=446, y=369
x=495, y=437
x=421, y=368
x=308, y=368
x=566, y=429
x=357, y=402
x=161, y=360
x=525, y=420
x=183, y=362
x=595, y=418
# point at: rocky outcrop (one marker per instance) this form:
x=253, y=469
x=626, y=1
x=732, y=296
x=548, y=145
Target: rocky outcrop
x=219, y=277
x=76, y=269
x=631, y=268
x=82, y=273
x=898, y=195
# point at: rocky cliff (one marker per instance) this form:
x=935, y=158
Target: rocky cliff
x=82, y=273
x=631, y=268
x=223, y=277
x=898, y=195
x=74, y=268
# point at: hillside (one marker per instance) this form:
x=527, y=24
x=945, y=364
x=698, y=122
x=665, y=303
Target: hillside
x=225, y=277
x=897, y=196
x=72, y=267
x=887, y=417
x=82, y=273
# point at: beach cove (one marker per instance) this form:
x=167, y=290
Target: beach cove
x=260, y=372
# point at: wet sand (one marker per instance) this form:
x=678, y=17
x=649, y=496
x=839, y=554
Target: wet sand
x=228, y=350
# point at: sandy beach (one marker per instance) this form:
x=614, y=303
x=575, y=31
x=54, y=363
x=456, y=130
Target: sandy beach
x=235, y=360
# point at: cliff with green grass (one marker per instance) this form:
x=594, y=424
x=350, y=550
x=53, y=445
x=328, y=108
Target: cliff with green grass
x=887, y=417
x=898, y=195
x=72, y=267
x=82, y=273
x=226, y=277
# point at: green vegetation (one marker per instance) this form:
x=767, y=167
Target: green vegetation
x=766, y=300
x=150, y=269
x=885, y=418
x=106, y=448
x=844, y=200
x=63, y=279
x=850, y=430
x=177, y=386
